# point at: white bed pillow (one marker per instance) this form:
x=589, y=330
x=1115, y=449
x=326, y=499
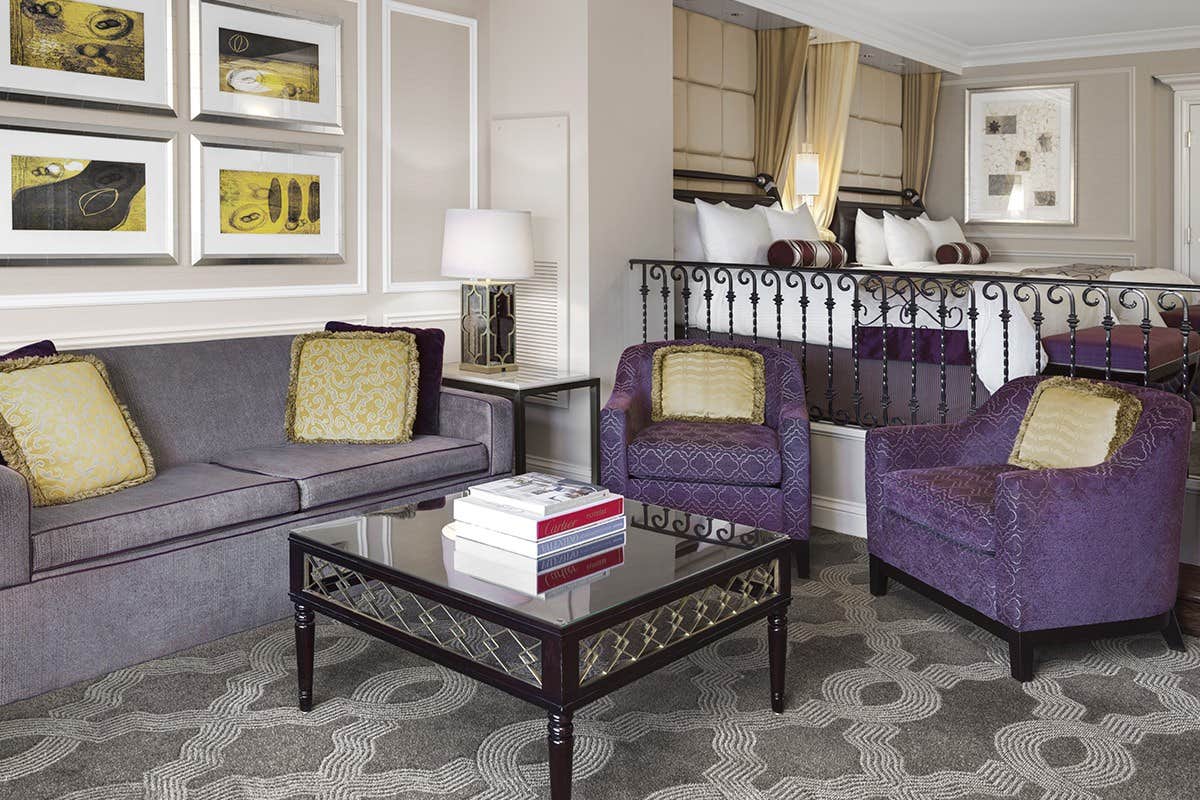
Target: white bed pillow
x=941, y=231
x=688, y=246
x=906, y=241
x=869, y=245
x=733, y=235
x=796, y=224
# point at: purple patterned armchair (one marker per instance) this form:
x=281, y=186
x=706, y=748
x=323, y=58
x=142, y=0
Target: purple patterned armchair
x=750, y=474
x=1034, y=556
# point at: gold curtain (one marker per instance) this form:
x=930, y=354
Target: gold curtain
x=830, y=74
x=781, y=55
x=920, y=114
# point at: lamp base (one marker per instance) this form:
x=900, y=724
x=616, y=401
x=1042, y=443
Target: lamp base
x=489, y=327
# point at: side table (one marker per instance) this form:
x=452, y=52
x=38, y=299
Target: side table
x=524, y=383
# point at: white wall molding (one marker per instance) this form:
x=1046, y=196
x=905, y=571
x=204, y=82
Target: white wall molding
x=566, y=469
x=842, y=516
x=1186, y=96
x=143, y=296
x=421, y=317
x=391, y=286
x=192, y=333
x=983, y=231
x=1105, y=44
x=1060, y=256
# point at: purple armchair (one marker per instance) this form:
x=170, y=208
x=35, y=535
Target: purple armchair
x=1034, y=556
x=750, y=474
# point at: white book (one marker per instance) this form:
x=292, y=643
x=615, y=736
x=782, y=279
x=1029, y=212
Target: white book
x=539, y=493
x=541, y=547
x=528, y=525
x=484, y=567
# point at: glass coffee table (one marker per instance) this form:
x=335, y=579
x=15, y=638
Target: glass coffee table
x=680, y=582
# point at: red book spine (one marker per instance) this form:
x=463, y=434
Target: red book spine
x=581, y=569
x=569, y=521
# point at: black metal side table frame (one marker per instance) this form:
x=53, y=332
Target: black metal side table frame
x=559, y=668
x=518, y=396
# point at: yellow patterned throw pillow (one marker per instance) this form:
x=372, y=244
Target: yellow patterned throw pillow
x=353, y=388
x=1072, y=422
x=706, y=383
x=63, y=428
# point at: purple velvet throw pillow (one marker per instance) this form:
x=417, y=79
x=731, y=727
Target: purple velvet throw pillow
x=37, y=349
x=430, y=344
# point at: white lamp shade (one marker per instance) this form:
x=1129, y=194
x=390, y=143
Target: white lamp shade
x=487, y=243
x=807, y=175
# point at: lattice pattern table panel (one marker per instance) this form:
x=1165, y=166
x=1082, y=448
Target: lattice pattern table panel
x=625, y=644
x=516, y=654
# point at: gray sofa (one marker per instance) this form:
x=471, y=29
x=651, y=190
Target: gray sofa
x=200, y=552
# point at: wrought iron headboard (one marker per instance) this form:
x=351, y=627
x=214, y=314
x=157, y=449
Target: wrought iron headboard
x=846, y=211
x=768, y=195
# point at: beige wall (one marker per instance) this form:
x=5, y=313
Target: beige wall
x=1124, y=154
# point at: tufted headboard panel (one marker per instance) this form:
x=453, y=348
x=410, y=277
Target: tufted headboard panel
x=874, y=139
x=716, y=66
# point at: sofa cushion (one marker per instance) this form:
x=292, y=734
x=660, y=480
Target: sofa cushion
x=182, y=500
x=328, y=473
x=707, y=452
x=1073, y=422
x=955, y=503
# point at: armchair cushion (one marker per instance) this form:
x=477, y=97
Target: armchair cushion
x=1073, y=422
x=724, y=453
x=954, y=503
x=707, y=383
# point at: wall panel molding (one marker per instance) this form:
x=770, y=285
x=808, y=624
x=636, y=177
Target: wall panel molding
x=390, y=285
x=190, y=333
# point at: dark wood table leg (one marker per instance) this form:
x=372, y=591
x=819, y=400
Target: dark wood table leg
x=518, y=401
x=562, y=745
x=777, y=647
x=595, y=393
x=306, y=628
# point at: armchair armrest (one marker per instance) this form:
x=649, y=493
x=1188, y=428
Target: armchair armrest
x=620, y=420
x=15, y=510
x=795, y=449
x=1102, y=541
x=482, y=418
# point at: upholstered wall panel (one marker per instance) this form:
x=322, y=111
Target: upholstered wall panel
x=715, y=69
x=874, y=139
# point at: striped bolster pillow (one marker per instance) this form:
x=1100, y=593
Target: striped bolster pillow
x=805, y=253
x=963, y=253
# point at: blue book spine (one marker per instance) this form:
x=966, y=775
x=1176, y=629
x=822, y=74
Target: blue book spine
x=562, y=557
x=579, y=537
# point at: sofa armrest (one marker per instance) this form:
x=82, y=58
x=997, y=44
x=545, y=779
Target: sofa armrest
x=15, y=509
x=620, y=420
x=906, y=447
x=1096, y=544
x=480, y=418
x=795, y=449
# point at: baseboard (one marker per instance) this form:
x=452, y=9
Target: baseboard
x=842, y=516
x=566, y=469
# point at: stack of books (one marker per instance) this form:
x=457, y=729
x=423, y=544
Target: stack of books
x=536, y=532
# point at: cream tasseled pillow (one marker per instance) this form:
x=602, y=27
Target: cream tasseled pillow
x=705, y=383
x=1072, y=422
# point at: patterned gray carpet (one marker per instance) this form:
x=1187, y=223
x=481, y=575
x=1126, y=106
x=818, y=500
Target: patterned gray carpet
x=887, y=698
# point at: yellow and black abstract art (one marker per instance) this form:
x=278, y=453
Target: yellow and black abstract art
x=271, y=203
x=267, y=66
x=75, y=194
x=71, y=36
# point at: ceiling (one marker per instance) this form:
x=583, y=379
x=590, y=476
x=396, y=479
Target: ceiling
x=956, y=34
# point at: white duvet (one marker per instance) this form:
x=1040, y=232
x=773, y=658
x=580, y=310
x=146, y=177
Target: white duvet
x=989, y=329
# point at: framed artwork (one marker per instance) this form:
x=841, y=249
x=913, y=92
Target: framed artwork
x=1021, y=155
x=265, y=67
x=91, y=53
x=256, y=205
x=90, y=198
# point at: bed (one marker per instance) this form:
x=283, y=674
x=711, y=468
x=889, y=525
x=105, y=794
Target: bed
x=947, y=342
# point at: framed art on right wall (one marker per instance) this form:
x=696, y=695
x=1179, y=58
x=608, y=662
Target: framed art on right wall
x=1020, y=155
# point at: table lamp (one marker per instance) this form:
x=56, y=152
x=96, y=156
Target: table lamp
x=490, y=248
x=806, y=178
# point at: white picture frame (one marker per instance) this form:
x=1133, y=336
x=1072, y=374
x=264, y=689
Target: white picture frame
x=112, y=179
x=89, y=43
x=280, y=99
x=217, y=239
x=1021, y=155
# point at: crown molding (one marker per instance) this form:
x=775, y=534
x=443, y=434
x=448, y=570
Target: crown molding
x=861, y=25
x=1105, y=44
x=1181, y=81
